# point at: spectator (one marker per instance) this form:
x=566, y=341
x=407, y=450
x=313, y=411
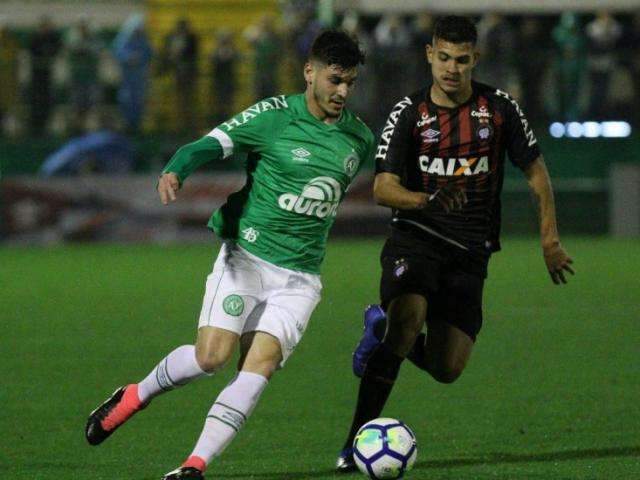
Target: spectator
x=133, y=52
x=8, y=73
x=497, y=46
x=392, y=39
x=364, y=99
x=633, y=55
x=266, y=46
x=421, y=33
x=603, y=34
x=223, y=59
x=569, y=68
x=44, y=46
x=181, y=56
x=533, y=65
x=83, y=56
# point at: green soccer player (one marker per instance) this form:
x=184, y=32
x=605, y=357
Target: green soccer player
x=303, y=152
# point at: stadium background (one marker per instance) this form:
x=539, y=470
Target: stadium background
x=97, y=281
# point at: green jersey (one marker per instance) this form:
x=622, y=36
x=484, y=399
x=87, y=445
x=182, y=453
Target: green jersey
x=298, y=171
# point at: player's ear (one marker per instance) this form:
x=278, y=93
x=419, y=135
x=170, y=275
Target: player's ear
x=309, y=70
x=429, y=52
x=476, y=57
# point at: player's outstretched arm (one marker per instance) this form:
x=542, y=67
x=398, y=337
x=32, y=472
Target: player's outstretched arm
x=555, y=257
x=168, y=185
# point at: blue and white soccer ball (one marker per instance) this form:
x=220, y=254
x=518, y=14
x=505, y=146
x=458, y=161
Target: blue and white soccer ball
x=384, y=448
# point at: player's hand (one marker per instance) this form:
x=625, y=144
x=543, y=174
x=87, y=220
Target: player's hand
x=558, y=262
x=168, y=185
x=450, y=197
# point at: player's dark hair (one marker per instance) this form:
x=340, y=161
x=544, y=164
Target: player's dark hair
x=455, y=29
x=337, y=47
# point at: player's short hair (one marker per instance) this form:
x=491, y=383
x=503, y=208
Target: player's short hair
x=455, y=29
x=337, y=47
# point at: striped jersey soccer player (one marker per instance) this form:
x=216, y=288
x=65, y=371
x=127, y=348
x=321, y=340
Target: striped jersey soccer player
x=439, y=166
x=303, y=152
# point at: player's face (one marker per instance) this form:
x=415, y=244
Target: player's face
x=329, y=85
x=451, y=65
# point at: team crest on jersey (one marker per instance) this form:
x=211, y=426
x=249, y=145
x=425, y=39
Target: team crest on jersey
x=351, y=163
x=430, y=136
x=484, y=132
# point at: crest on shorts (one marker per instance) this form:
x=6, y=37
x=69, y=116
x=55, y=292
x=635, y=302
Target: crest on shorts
x=233, y=305
x=400, y=268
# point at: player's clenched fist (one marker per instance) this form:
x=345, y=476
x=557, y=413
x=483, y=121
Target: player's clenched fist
x=168, y=185
x=449, y=197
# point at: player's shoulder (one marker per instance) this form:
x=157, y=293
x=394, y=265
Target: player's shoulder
x=496, y=96
x=355, y=125
x=266, y=111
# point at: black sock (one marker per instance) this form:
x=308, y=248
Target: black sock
x=416, y=355
x=377, y=382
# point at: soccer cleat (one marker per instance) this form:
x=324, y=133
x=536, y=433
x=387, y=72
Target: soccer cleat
x=374, y=326
x=345, y=462
x=116, y=410
x=184, y=473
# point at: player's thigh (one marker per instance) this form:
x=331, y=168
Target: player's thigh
x=260, y=353
x=285, y=316
x=447, y=351
x=233, y=291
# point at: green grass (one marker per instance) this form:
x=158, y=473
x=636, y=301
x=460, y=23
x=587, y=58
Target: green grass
x=552, y=390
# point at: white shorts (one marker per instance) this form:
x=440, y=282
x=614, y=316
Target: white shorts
x=245, y=294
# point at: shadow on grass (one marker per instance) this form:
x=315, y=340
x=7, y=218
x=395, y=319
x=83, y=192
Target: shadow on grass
x=498, y=458
x=489, y=459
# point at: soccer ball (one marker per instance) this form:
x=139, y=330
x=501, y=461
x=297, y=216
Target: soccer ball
x=384, y=448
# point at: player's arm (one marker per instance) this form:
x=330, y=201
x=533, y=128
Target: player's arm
x=389, y=191
x=556, y=258
x=247, y=131
x=397, y=143
x=187, y=159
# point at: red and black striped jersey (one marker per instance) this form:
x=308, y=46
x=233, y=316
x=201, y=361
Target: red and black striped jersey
x=428, y=146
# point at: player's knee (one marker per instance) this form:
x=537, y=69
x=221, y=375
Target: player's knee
x=212, y=361
x=447, y=373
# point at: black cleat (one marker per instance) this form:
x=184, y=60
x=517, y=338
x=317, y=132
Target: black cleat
x=184, y=473
x=345, y=462
x=95, y=431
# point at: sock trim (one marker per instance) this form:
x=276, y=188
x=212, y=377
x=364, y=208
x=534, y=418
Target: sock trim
x=234, y=409
x=224, y=421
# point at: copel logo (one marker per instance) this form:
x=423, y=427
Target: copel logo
x=320, y=197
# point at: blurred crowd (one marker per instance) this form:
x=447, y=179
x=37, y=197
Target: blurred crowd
x=65, y=81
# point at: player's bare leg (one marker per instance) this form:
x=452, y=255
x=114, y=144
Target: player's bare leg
x=212, y=351
x=446, y=351
x=260, y=355
x=405, y=319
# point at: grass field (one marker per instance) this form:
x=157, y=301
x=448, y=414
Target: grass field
x=552, y=390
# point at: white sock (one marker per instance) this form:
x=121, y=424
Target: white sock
x=176, y=369
x=228, y=414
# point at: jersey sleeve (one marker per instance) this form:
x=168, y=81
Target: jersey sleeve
x=248, y=131
x=396, y=140
x=521, y=143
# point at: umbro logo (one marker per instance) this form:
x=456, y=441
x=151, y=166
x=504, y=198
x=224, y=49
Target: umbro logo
x=301, y=155
x=430, y=135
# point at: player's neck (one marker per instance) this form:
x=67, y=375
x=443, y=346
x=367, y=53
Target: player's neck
x=316, y=111
x=443, y=99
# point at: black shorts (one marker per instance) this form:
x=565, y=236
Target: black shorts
x=450, y=278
